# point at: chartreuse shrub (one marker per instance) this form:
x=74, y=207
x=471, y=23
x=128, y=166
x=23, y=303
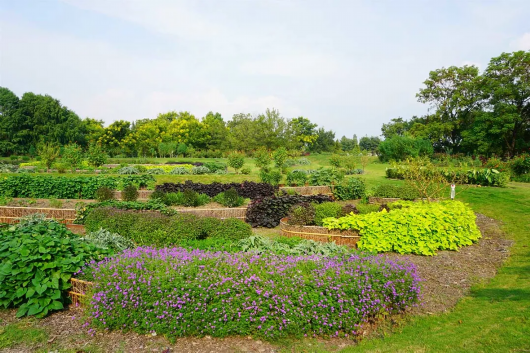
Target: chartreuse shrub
x=178, y=292
x=157, y=229
x=413, y=227
x=37, y=260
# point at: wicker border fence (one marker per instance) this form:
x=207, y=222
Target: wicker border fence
x=322, y=234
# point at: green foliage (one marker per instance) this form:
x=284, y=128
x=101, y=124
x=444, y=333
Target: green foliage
x=296, y=178
x=200, y=170
x=129, y=193
x=263, y=245
x=236, y=161
x=325, y=210
x=37, y=262
x=416, y=228
x=156, y=229
x=78, y=187
x=73, y=155
x=55, y=203
x=280, y=156
x=336, y=161
x=215, y=166
x=152, y=205
x=96, y=156
x=262, y=158
x=105, y=239
x=104, y=194
x=179, y=171
x=272, y=177
x=192, y=198
x=302, y=214
x=156, y=171
x=182, y=149
x=326, y=176
x=128, y=170
x=245, y=171
x=363, y=208
x=229, y=198
x=350, y=189
x=399, y=148
x=404, y=192
x=48, y=152
x=520, y=165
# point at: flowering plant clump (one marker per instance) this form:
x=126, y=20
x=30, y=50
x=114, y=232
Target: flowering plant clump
x=178, y=292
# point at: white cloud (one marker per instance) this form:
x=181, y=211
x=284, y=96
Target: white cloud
x=522, y=43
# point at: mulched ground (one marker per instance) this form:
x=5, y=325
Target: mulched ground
x=447, y=277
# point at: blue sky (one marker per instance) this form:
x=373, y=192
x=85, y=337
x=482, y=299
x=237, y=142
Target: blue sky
x=347, y=65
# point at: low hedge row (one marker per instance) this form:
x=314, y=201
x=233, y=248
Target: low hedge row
x=157, y=229
x=246, y=189
x=151, y=205
x=404, y=192
x=413, y=227
x=79, y=187
x=484, y=177
x=177, y=292
x=268, y=211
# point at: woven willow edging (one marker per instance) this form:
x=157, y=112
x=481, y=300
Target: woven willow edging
x=78, y=290
x=348, y=238
x=12, y=214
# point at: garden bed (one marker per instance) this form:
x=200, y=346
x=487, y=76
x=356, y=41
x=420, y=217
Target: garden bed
x=321, y=234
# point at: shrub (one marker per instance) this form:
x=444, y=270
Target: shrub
x=141, y=168
x=36, y=263
x=303, y=161
x=325, y=176
x=350, y=189
x=215, y=166
x=268, y=212
x=279, y=156
x=399, y=148
x=325, y=210
x=229, y=198
x=417, y=228
x=367, y=208
x=156, y=171
x=297, y=177
x=302, y=214
x=290, y=246
x=192, y=198
x=179, y=171
x=96, y=156
x=83, y=210
x=105, y=239
x=104, y=194
x=73, y=155
x=157, y=229
x=48, y=152
x=8, y=168
x=54, y=203
x=173, y=198
x=129, y=193
x=273, y=177
x=61, y=168
x=200, y=170
x=236, y=161
x=520, y=165
x=246, y=189
x=128, y=170
x=245, y=171
x=404, y=192
x=270, y=296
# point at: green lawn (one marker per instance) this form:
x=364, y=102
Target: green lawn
x=495, y=316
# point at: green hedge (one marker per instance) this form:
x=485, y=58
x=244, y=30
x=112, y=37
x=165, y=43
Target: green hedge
x=484, y=177
x=79, y=187
x=413, y=227
x=157, y=229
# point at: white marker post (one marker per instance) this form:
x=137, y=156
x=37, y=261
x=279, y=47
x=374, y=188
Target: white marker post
x=453, y=187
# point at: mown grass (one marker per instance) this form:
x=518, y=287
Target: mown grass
x=495, y=316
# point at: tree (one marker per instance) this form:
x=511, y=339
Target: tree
x=236, y=161
x=370, y=143
x=73, y=155
x=324, y=142
x=182, y=149
x=399, y=148
x=96, y=155
x=396, y=127
x=48, y=152
x=262, y=158
x=303, y=132
x=280, y=156
x=453, y=95
x=216, y=130
x=507, y=86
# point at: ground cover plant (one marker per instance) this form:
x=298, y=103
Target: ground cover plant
x=38, y=257
x=78, y=187
x=268, y=211
x=157, y=229
x=177, y=292
x=246, y=189
x=412, y=227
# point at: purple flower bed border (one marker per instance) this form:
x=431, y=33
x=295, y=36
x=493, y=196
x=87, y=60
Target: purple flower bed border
x=178, y=292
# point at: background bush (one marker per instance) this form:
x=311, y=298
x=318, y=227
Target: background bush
x=399, y=148
x=129, y=193
x=229, y=198
x=350, y=189
x=325, y=210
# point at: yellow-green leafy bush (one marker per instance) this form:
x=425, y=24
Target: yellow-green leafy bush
x=413, y=227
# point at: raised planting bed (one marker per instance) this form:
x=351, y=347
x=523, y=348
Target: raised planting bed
x=321, y=234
